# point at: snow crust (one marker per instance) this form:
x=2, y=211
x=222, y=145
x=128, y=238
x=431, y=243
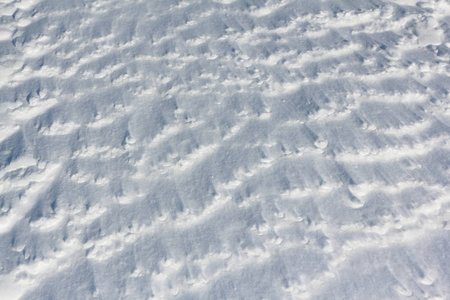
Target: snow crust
x=229, y=149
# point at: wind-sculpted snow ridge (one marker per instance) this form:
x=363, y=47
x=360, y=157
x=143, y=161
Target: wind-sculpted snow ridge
x=165, y=149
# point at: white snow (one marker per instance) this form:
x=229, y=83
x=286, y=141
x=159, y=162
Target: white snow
x=232, y=149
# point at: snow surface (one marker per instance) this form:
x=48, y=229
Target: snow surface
x=229, y=149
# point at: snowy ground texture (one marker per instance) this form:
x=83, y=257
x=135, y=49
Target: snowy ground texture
x=247, y=149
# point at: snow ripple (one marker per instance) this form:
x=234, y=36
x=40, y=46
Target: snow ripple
x=224, y=149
